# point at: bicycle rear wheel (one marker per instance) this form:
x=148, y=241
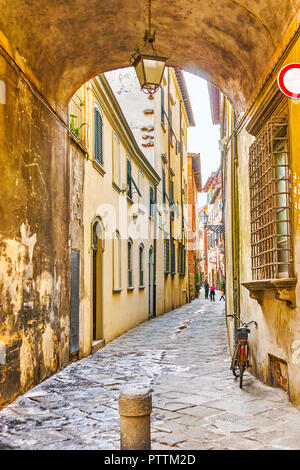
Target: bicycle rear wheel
x=235, y=361
x=242, y=370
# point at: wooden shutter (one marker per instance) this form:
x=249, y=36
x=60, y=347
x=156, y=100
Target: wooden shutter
x=162, y=111
x=98, y=136
x=129, y=178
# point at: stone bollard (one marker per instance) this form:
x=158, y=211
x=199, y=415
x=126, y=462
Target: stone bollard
x=135, y=406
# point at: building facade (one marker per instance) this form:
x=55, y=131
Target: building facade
x=125, y=249
x=160, y=128
x=260, y=165
x=194, y=242
x=215, y=256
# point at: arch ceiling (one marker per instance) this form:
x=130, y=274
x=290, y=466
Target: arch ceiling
x=65, y=42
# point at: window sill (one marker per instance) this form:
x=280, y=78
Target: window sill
x=116, y=187
x=117, y=291
x=163, y=127
x=164, y=158
x=284, y=289
x=141, y=287
x=130, y=289
x=78, y=142
x=98, y=167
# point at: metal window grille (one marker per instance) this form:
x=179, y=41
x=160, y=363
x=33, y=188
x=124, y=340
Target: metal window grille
x=167, y=255
x=181, y=259
x=76, y=117
x=173, y=256
x=270, y=202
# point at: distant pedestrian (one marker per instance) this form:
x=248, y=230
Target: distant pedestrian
x=222, y=295
x=206, y=289
x=212, y=292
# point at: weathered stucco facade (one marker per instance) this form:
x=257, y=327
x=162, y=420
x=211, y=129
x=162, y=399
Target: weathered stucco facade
x=42, y=183
x=36, y=162
x=273, y=302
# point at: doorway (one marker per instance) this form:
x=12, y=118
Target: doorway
x=97, y=286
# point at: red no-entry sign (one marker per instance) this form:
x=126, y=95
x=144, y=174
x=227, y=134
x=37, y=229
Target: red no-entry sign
x=289, y=80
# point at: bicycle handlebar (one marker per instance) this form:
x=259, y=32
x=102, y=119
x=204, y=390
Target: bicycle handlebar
x=234, y=315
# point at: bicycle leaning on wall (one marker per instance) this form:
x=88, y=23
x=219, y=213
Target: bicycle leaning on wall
x=241, y=354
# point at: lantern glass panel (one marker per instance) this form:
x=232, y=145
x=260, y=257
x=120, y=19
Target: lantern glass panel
x=140, y=71
x=153, y=70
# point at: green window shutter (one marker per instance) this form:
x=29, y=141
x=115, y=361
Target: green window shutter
x=129, y=185
x=171, y=129
x=164, y=185
x=152, y=201
x=98, y=137
x=162, y=113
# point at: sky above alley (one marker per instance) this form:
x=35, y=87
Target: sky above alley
x=204, y=137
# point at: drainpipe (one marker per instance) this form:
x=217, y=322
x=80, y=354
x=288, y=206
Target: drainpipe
x=169, y=175
x=154, y=256
x=181, y=201
x=236, y=267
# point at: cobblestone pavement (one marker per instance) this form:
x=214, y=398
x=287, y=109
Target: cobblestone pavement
x=183, y=356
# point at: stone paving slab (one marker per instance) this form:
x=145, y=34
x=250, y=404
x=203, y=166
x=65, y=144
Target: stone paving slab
x=183, y=356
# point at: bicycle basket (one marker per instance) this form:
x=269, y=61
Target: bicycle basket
x=242, y=333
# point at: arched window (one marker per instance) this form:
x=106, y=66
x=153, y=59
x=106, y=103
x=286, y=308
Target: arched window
x=141, y=264
x=116, y=160
x=98, y=134
x=117, y=281
x=130, y=263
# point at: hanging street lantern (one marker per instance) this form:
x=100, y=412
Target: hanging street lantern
x=148, y=65
x=204, y=218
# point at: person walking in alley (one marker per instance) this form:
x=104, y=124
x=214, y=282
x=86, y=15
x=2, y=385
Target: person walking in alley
x=212, y=292
x=222, y=295
x=206, y=288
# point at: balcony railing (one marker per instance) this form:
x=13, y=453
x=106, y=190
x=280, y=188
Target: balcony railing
x=167, y=256
x=76, y=118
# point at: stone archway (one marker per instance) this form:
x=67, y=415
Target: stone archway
x=63, y=44
x=47, y=51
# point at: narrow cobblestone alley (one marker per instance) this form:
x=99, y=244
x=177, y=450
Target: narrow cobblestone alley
x=183, y=355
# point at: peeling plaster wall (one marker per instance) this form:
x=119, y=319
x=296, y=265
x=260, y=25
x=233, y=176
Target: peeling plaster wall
x=34, y=230
x=278, y=330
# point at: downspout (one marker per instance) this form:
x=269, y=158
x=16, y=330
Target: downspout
x=154, y=255
x=181, y=202
x=236, y=251
x=169, y=177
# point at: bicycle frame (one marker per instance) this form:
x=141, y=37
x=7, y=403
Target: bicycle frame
x=240, y=357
